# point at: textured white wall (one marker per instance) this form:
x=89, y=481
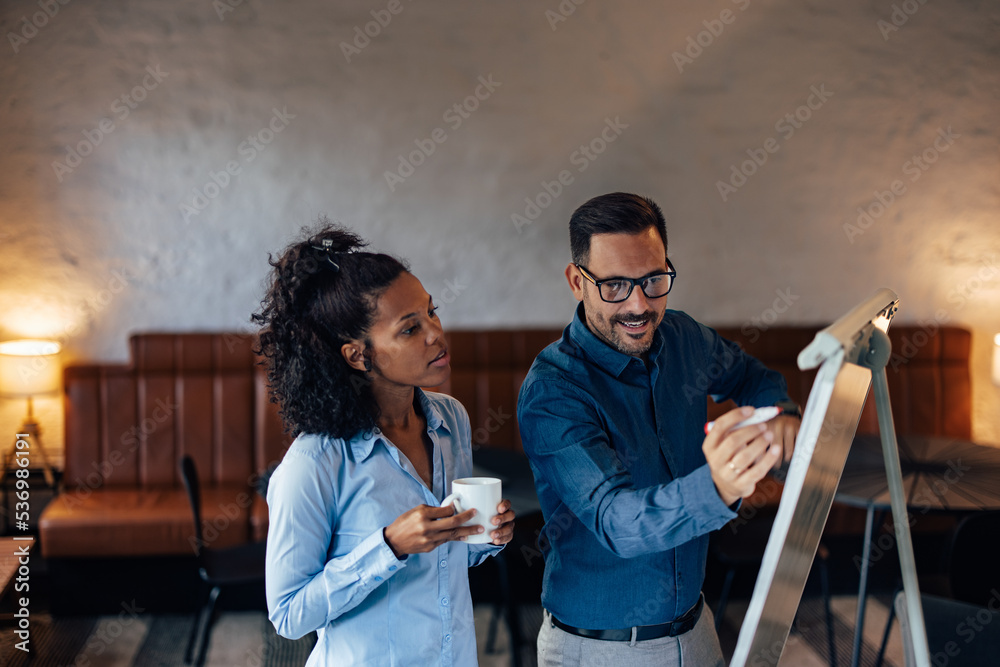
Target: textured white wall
x=96, y=249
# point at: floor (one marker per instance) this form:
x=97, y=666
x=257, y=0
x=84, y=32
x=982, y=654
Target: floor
x=115, y=643
x=129, y=640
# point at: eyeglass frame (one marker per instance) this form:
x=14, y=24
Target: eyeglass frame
x=671, y=272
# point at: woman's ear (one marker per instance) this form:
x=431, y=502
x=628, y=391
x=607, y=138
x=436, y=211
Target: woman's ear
x=354, y=355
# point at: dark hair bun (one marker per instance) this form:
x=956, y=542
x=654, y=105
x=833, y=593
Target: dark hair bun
x=337, y=239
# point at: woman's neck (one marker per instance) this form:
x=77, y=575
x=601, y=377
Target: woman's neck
x=396, y=407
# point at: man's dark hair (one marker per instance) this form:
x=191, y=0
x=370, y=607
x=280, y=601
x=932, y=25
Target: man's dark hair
x=322, y=294
x=615, y=213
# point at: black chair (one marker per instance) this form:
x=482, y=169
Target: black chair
x=743, y=548
x=958, y=635
x=972, y=561
x=971, y=566
x=218, y=568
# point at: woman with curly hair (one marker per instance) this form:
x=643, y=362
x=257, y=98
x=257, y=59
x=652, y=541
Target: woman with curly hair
x=357, y=546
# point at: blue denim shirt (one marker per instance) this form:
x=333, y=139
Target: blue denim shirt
x=615, y=448
x=329, y=568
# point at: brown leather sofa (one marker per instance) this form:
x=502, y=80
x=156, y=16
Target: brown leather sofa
x=202, y=394
x=127, y=427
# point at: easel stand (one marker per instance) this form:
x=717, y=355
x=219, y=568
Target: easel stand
x=879, y=351
x=851, y=355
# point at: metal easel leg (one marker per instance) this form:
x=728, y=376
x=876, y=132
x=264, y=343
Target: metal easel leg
x=878, y=356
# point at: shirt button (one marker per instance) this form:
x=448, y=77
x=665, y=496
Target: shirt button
x=444, y=563
x=378, y=578
x=392, y=568
x=444, y=601
x=447, y=639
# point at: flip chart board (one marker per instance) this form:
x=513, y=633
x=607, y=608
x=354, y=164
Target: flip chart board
x=829, y=423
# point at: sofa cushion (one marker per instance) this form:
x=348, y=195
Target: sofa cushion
x=143, y=522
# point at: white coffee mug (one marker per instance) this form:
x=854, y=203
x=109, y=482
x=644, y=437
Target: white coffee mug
x=481, y=493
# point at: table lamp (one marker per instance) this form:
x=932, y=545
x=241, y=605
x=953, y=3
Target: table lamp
x=29, y=368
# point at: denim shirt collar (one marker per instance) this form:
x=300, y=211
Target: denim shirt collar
x=363, y=443
x=602, y=354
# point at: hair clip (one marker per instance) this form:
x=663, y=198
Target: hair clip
x=327, y=248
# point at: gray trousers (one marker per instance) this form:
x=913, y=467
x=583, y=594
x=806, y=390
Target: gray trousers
x=699, y=647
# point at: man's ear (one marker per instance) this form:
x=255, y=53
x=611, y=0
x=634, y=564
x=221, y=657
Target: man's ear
x=354, y=355
x=575, y=280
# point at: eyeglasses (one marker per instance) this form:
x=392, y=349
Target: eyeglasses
x=616, y=290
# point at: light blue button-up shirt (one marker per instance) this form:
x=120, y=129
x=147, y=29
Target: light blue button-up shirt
x=329, y=568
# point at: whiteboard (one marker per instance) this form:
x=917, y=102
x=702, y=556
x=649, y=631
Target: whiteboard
x=829, y=423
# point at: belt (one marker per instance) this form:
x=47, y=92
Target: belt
x=643, y=632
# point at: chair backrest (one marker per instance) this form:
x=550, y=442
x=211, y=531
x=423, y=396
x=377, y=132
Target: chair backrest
x=972, y=563
x=189, y=474
x=950, y=635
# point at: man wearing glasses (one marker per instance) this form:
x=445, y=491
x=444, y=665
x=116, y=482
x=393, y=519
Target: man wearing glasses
x=612, y=418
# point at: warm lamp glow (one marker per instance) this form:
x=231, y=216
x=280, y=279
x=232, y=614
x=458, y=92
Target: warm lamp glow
x=29, y=368
x=996, y=360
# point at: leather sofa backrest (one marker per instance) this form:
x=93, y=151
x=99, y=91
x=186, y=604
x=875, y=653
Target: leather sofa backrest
x=487, y=369
x=193, y=393
x=928, y=375
x=203, y=394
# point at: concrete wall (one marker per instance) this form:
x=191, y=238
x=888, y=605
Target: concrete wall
x=118, y=115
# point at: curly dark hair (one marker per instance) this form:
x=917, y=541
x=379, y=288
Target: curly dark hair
x=311, y=309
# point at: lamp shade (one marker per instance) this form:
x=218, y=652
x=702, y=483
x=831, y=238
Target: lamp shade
x=996, y=360
x=29, y=368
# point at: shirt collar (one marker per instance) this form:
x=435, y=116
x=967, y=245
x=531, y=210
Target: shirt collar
x=603, y=354
x=363, y=443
